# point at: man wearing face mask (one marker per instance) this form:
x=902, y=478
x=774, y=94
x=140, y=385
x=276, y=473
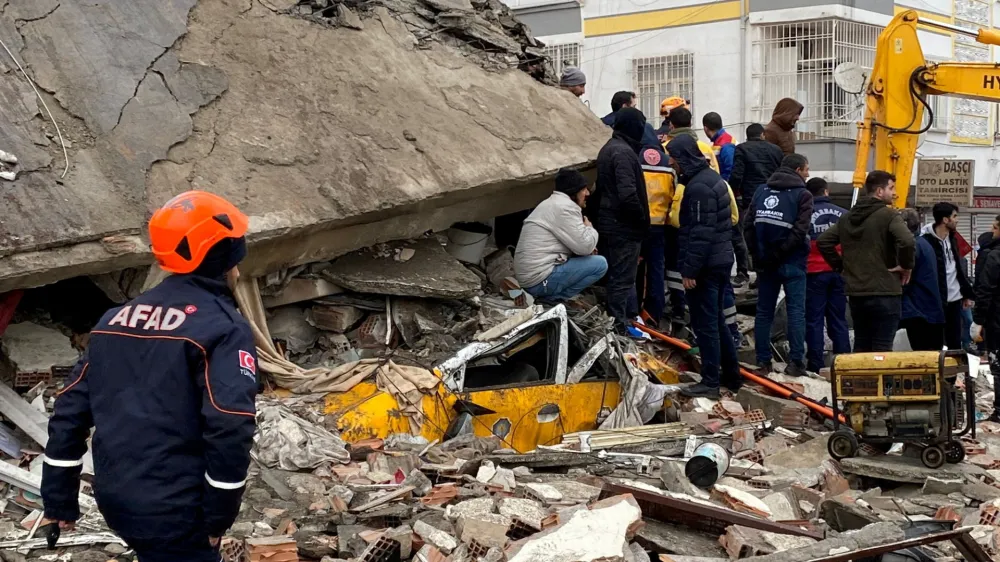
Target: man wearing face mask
x=168, y=382
x=622, y=213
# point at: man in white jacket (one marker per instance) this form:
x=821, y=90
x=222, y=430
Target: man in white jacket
x=554, y=259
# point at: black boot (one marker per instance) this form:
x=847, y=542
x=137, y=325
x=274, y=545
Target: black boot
x=701, y=391
x=795, y=369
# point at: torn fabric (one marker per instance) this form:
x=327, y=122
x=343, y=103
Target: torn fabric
x=286, y=441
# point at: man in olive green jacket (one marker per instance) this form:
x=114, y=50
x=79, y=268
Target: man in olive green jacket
x=878, y=253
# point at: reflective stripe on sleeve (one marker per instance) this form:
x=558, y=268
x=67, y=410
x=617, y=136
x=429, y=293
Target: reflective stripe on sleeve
x=63, y=464
x=224, y=485
x=775, y=222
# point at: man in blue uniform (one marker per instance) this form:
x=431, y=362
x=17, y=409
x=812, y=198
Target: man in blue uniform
x=168, y=384
x=777, y=234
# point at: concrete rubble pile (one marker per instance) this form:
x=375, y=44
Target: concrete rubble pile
x=499, y=40
x=405, y=318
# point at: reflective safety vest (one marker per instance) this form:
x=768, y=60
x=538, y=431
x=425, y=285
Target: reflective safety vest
x=660, y=185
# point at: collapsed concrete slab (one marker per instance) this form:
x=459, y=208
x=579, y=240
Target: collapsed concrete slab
x=330, y=138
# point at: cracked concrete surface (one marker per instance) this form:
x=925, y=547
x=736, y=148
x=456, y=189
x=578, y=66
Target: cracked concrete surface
x=331, y=139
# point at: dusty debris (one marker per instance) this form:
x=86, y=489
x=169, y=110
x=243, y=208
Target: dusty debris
x=287, y=441
x=31, y=352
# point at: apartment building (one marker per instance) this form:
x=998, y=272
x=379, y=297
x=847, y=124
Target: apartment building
x=739, y=57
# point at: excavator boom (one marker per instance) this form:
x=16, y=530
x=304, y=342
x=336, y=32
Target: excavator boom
x=896, y=97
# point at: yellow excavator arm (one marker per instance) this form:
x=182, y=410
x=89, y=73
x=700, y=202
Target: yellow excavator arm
x=897, y=93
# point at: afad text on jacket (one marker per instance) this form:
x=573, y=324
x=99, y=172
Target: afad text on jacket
x=168, y=382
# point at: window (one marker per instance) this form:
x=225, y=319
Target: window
x=797, y=60
x=563, y=56
x=939, y=105
x=970, y=119
x=656, y=78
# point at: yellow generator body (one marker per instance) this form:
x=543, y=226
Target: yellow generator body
x=902, y=397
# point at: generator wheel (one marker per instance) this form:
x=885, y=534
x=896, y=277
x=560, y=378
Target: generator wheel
x=842, y=444
x=954, y=451
x=933, y=456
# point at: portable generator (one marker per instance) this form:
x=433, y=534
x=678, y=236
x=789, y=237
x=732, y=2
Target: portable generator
x=902, y=397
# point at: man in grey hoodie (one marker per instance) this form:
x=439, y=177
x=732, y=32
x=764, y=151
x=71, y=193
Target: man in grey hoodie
x=554, y=260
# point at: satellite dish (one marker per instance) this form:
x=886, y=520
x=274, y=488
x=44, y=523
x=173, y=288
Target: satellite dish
x=850, y=77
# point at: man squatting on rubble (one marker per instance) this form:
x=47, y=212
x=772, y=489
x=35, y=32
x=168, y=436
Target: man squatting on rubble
x=986, y=313
x=777, y=233
x=876, y=261
x=553, y=260
x=168, y=381
x=705, y=261
x=825, y=296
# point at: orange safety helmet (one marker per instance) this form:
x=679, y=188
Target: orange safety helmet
x=186, y=227
x=671, y=103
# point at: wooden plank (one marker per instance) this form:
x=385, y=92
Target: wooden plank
x=385, y=499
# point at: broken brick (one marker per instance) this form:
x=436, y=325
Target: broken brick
x=272, y=549
x=947, y=513
x=440, y=495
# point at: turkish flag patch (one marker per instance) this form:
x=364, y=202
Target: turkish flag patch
x=651, y=156
x=247, y=361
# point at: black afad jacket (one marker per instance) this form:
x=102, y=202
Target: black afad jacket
x=168, y=383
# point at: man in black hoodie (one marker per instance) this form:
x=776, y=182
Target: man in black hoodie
x=753, y=163
x=777, y=233
x=705, y=260
x=622, y=212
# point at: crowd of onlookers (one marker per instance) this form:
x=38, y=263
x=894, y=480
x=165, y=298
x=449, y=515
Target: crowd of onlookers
x=670, y=217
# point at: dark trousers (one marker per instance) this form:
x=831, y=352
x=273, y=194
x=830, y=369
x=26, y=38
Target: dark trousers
x=186, y=549
x=825, y=302
x=769, y=284
x=623, y=263
x=651, y=275
x=719, y=362
x=740, y=246
x=923, y=335
x=953, y=324
x=675, y=286
x=992, y=342
x=876, y=320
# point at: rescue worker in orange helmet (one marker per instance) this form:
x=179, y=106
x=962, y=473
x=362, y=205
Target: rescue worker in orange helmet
x=168, y=383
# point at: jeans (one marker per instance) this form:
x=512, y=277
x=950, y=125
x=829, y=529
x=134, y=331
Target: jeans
x=650, y=278
x=923, y=335
x=623, y=263
x=718, y=350
x=825, y=300
x=568, y=279
x=953, y=324
x=769, y=284
x=876, y=320
x=675, y=283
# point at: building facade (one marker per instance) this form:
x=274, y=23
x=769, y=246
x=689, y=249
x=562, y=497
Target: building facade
x=739, y=57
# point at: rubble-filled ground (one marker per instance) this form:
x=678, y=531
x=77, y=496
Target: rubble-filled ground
x=606, y=477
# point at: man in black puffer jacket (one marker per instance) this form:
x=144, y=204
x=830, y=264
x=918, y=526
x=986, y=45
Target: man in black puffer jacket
x=705, y=260
x=986, y=314
x=622, y=212
x=753, y=163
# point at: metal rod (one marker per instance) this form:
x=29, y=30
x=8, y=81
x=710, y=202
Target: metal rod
x=948, y=27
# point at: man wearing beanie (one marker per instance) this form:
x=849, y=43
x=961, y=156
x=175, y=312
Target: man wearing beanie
x=622, y=214
x=168, y=383
x=573, y=80
x=554, y=260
